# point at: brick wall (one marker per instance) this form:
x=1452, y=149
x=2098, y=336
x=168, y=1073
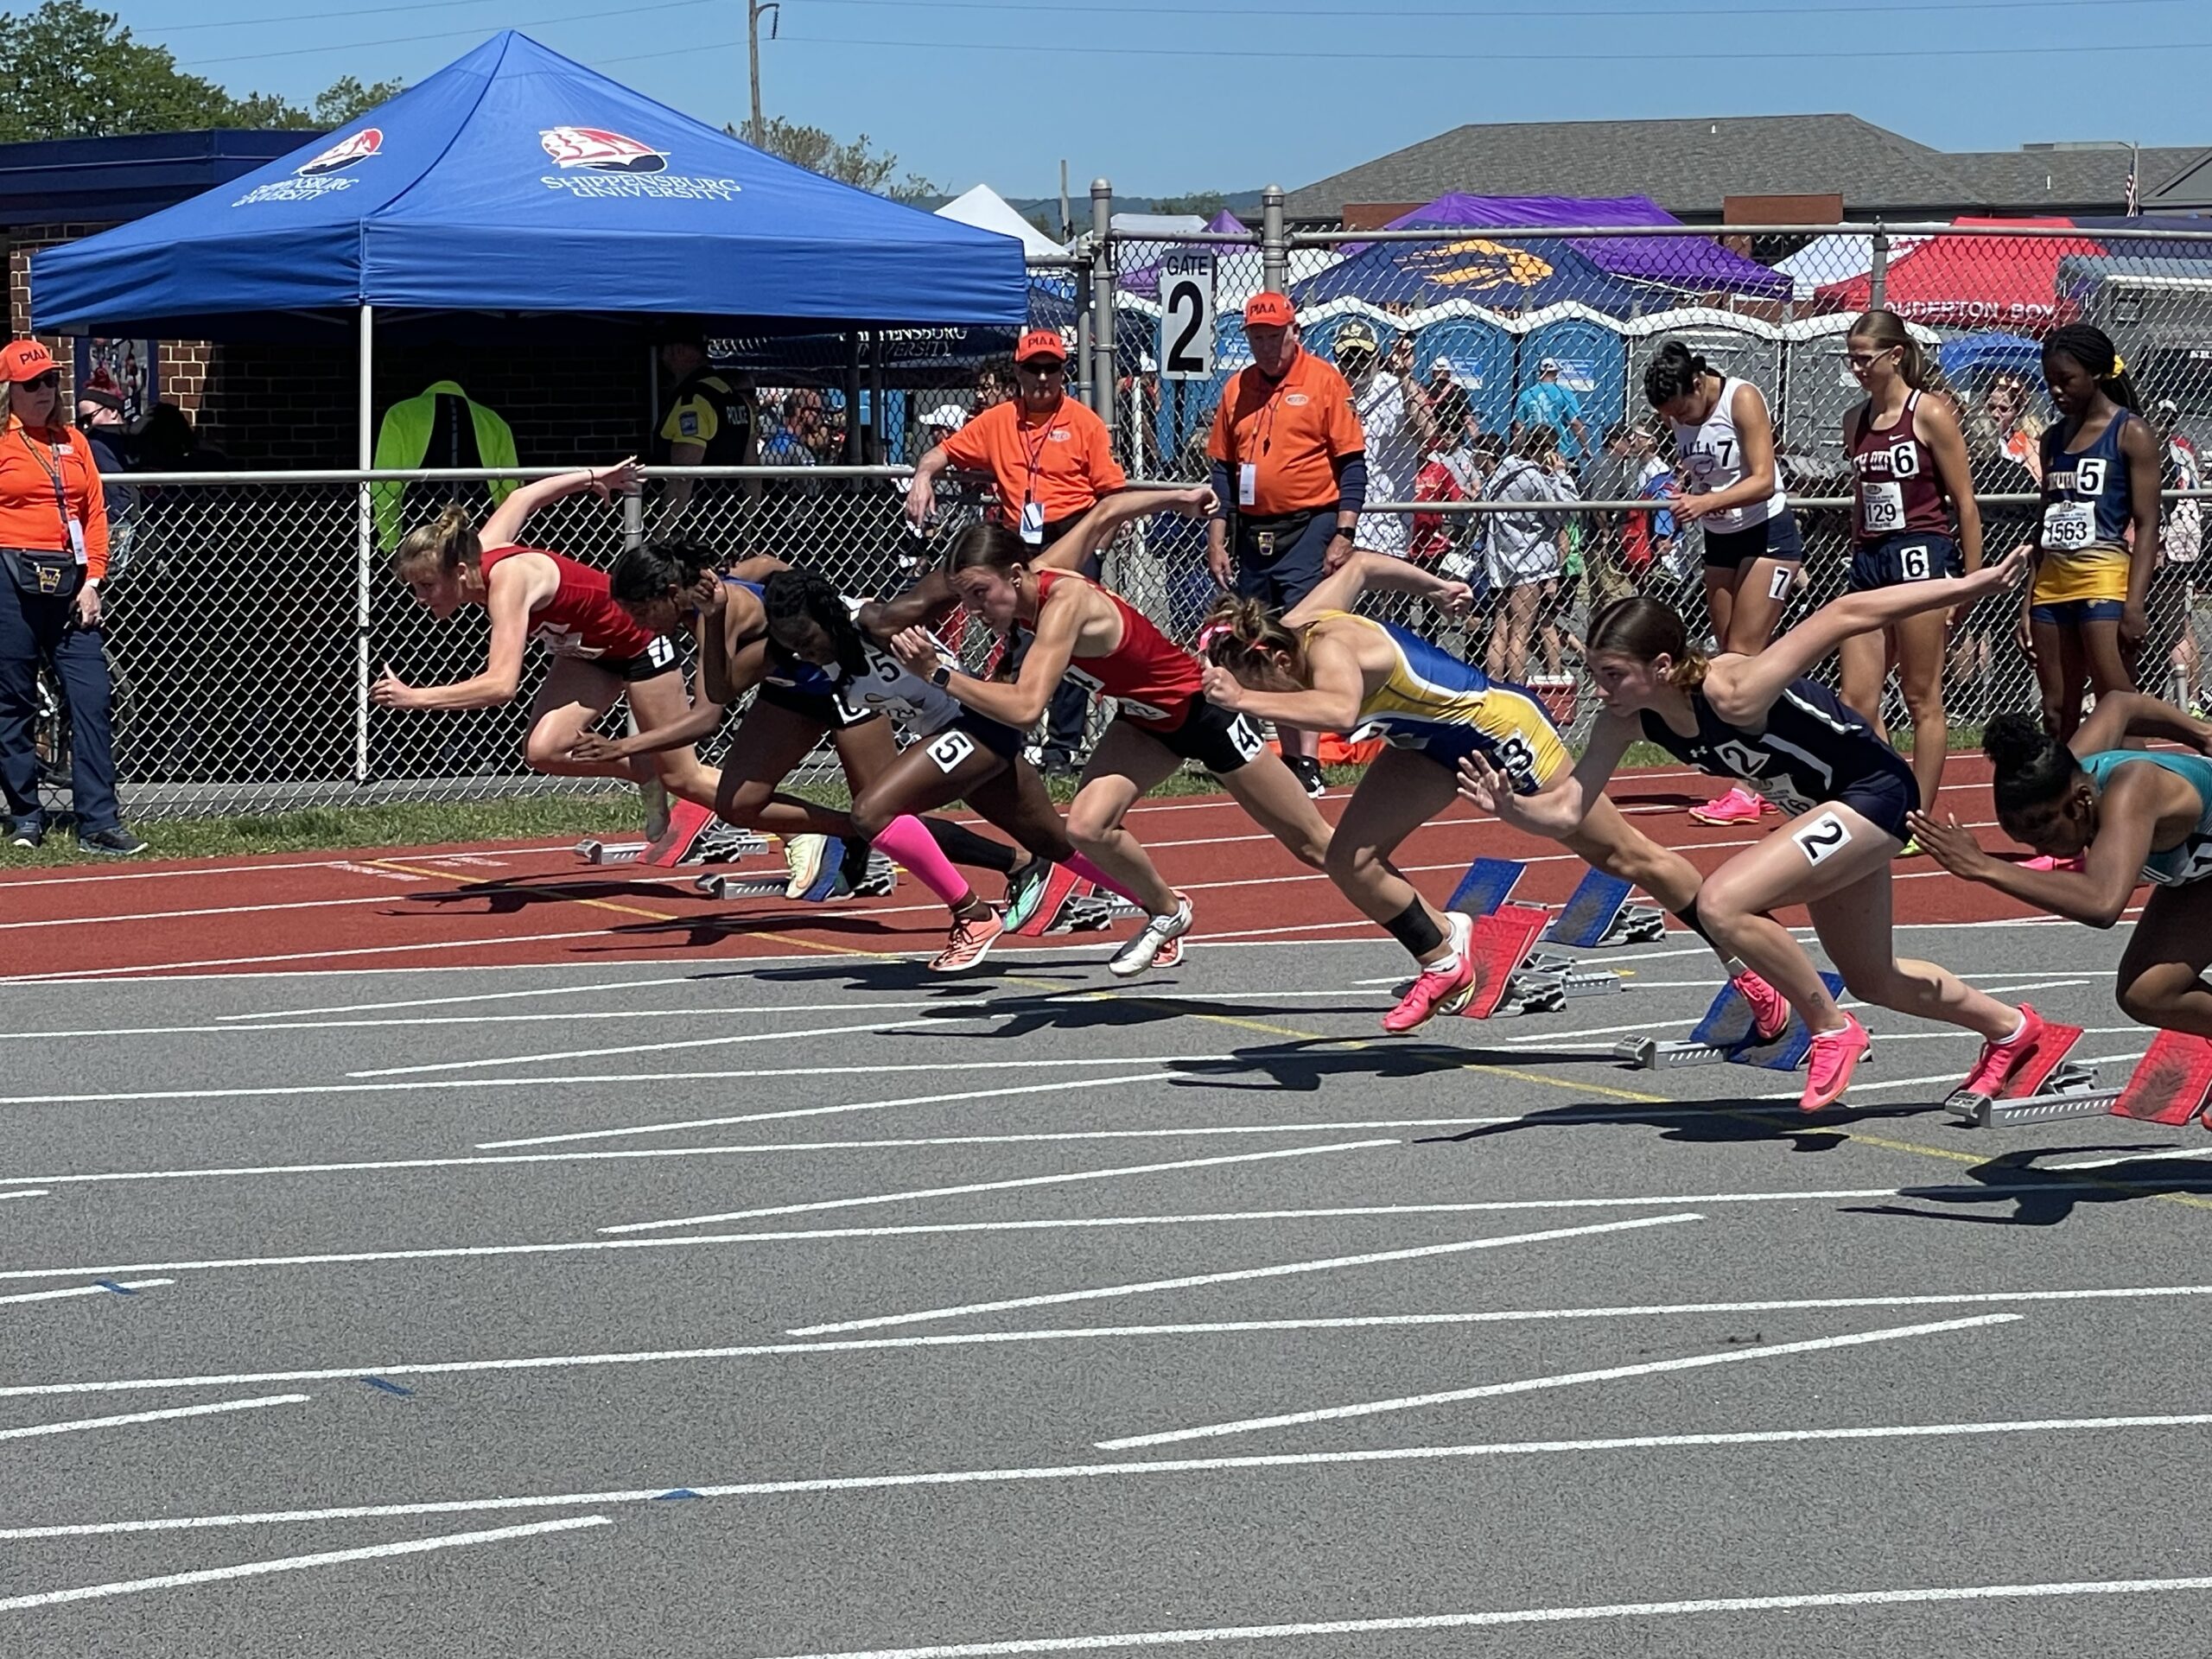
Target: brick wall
x=570, y=400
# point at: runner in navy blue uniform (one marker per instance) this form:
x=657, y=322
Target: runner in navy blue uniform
x=1914, y=518
x=1847, y=794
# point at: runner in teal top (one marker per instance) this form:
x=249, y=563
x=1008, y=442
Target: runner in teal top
x=2119, y=818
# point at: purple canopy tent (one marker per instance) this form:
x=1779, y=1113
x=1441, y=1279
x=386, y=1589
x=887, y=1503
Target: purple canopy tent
x=1690, y=262
x=1144, y=281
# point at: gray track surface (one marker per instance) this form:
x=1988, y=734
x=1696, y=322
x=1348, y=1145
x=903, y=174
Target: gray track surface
x=836, y=1142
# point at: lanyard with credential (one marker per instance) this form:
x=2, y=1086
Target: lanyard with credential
x=1263, y=427
x=72, y=537
x=1033, y=516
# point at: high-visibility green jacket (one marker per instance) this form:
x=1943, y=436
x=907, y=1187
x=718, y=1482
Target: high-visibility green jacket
x=405, y=439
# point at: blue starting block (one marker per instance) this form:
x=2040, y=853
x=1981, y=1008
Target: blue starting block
x=1725, y=1035
x=1488, y=883
x=1599, y=913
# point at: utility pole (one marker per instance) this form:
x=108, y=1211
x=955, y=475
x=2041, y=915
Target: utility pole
x=753, y=11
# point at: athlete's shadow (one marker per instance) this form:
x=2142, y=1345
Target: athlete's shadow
x=511, y=897
x=902, y=974
x=1302, y=1067
x=2044, y=1197
x=1698, y=1122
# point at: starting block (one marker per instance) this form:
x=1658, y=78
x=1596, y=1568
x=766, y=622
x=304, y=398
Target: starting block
x=1071, y=905
x=2171, y=1083
x=1725, y=1036
x=880, y=876
x=1509, y=980
x=2050, y=1086
x=727, y=847
x=1599, y=913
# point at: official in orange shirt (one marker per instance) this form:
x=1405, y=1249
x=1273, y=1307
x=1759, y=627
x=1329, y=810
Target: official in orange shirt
x=1290, y=471
x=53, y=549
x=1050, y=459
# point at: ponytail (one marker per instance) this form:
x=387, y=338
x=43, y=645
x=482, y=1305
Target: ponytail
x=1676, y=372
x=1644, y=630
x=987, y=547
x=2094, y=350
x=2030, y=767
x=443, y=546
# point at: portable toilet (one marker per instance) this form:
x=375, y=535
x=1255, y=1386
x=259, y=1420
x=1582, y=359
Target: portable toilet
x=1731, y=345
x=1480, y=350
x=1818, y=390
x=1593, y=357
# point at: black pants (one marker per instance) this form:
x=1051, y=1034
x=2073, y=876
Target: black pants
x=34, y=628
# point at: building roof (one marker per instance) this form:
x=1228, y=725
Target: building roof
x=1692, y=167
x=107, y=180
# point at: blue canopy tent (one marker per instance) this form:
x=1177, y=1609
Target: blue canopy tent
x=1521, y=275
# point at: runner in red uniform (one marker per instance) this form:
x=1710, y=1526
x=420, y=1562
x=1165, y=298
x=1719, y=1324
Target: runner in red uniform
x=1093, y=636
x=600, y=656
x=1911, y=476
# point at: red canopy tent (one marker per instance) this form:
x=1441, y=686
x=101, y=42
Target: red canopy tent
x=1956, y=281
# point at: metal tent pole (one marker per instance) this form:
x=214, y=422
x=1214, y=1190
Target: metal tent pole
x=364, y=541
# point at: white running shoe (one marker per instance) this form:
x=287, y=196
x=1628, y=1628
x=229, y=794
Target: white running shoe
x=803, y=855
x=1151, y=944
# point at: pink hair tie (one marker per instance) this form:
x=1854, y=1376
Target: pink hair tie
x=1212, y=631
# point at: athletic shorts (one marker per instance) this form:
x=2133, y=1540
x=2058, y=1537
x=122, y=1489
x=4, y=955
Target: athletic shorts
x=826, y=712
x=1777, y=538
x=655, y=660
x=1291, y=569
x=1882, y=799
x=1210, y=735
x=2073, y=612
x=969, y=734
x=1917, y=556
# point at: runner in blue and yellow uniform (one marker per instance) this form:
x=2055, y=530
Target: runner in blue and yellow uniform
x=1323, y=668
x=2131, y=816
x=2099, y=542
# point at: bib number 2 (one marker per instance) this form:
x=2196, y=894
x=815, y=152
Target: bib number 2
x=1821, y=838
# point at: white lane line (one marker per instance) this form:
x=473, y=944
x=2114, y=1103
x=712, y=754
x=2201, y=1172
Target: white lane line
x=199, y=869
x=819, y=1204
x=219, y=909
x=956, y=1012
x=126, y=973
x=298, y=1563
x=831, y=1111
x=702, y=979
x=379, y=1165
x=1616, y=1610
x=592, y=1079
x=169, y=1414
x=1279, y=1270
x=84, y=1290
x=1131, y=1468
x=1973, y=1192
x=2165, y=1154
x=34, y=1192
x=1085, y=1333
x=1566, y=1380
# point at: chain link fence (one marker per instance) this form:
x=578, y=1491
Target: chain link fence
x=253, y=608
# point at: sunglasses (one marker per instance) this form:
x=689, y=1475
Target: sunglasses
x=1868, y=359
x=45, y=382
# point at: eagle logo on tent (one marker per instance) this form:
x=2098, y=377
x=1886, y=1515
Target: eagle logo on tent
x=343, y=154
x=601, y=150
x=1479, y=264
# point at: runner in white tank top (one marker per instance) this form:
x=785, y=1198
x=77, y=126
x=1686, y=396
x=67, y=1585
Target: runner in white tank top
x=1731, y=488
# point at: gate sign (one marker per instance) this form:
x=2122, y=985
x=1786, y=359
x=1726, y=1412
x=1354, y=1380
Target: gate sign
x=1186, y=316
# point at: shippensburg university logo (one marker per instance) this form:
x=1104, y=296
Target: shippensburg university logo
x=318, y=175
x=597, y=163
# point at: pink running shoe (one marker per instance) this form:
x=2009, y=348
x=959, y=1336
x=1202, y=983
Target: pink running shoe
x=1834, y=1054
x=1769, y=1012
x=1739, y=806
x=970, y=942
x=1999, y=1061
x=1431, y=992
x=2045, y=862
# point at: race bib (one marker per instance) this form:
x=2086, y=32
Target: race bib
x=1915, y=561
x=950, y=750
x=1033, y=523
x=1882, y=507
x=1247, y=484
x=1821, y=838
x=2070, y=527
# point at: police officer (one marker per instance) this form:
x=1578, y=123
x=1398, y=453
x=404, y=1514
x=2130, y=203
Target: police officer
x=711, y=421
x=1290, y=468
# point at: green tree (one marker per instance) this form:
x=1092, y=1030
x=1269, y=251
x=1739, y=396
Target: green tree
x=68, y=70
x=1205, y=204
x=855, y=163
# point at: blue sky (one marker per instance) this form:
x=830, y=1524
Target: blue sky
x=1231, y=96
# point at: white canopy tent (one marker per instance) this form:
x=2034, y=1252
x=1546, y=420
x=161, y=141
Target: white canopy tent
x=987, y=210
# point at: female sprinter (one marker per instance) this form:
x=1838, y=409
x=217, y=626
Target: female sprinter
x=2135, y=815
x=1911, y=477
x=796, y=705
x=1320, y=667
x=600, y=655
x=1091, y=633
x=2099, y=542
x=1723, y=448
x=1848, y=792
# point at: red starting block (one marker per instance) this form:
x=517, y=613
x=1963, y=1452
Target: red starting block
x=2171, y=1083
x=2050, y=1085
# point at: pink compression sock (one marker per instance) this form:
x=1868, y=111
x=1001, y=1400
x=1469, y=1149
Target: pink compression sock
x=908, y=840
x=1098, y=878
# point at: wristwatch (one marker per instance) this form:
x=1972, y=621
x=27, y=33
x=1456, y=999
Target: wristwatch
x=941, y=676
x=1343, y=531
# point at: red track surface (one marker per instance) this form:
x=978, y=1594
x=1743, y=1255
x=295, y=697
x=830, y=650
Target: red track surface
x=504, y=904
